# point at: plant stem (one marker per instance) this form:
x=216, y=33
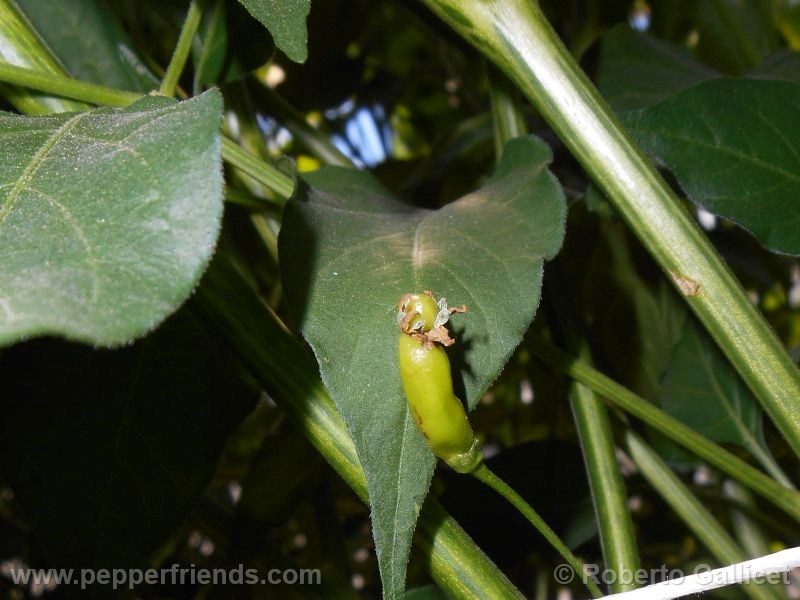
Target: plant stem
x=609, y=499
x=516, y=35
x=507, y=116
x=260, y=170
x=485, y=475
x=182, y=49
x=289, y=374
x=691, y=511
x=65, y=86
x=783, y=497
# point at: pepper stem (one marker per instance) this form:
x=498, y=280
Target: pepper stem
x=467, y=462
x=485, y=475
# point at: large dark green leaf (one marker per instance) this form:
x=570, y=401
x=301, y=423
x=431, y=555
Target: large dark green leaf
x=286, y=21
x=107, y=451
x=734, y=146
x=88, y=40
x=349, y=250
x=107, y=218
x=637, y=69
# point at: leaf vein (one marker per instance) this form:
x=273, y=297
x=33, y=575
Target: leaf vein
x=35, y=164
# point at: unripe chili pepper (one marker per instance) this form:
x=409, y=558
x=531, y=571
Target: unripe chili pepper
x=427, y=382
x=440, y=416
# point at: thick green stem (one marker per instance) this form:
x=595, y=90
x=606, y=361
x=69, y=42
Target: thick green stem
x=783, y=497
x=516, y=35
x=692, y=512
x=64, y=86
x=485, y=475
x=289, y=374
x=610, y=501
x=182, y=49
x=20, y=46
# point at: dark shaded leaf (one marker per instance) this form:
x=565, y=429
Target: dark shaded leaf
x=734, y=146
x=107, y=451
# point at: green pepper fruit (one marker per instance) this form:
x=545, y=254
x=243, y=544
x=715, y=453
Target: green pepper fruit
x=428, y=387
x=419, y=311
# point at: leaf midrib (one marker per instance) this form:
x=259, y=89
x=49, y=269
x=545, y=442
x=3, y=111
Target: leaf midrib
x=36, y=162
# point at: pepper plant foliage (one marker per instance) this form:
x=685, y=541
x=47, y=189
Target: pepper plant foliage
x=131, y=433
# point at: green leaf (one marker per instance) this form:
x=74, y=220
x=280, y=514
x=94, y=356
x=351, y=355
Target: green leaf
x=734, y=146
x=90, y=42
x=108, y=451
x=637, y=69
x=349, y=250
x=107, y=218
x=286, y=21
x=701, y=389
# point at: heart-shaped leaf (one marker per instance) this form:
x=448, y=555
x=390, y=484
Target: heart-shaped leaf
x=286, y=21
x=349, y=250
x=107, y=218
x=734, y=146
